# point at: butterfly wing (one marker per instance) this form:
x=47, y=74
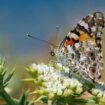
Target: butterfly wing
x=83, y=45
x=93, y=24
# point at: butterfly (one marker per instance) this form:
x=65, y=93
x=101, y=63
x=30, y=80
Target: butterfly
x=81, y=49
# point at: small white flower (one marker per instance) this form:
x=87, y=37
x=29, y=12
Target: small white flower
x=40, y=77
x=95, y=91
x=68, y=92
x=51, y=96
x=75, y=84
x=59, y=92
x=79, y=90
x=59, y=65
x=33, y=66
x=100, y=94
x=72, y=85
x=46, y=68
x=66, y=69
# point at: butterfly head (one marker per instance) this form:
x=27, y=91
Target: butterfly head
x=53, y=50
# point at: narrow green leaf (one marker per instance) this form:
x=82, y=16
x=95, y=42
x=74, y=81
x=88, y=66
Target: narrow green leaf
x=8, y=77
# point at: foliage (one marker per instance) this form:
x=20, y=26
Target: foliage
x=54, y=84
x=4, y=80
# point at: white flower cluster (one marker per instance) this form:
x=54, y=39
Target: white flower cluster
x=55, y=82
x=99, y=91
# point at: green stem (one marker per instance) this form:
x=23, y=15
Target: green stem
x=49, y=102
x=7, y=98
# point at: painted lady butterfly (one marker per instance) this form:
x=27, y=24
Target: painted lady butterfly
x=81, y=49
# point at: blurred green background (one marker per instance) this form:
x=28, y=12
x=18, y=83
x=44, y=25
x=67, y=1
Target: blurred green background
x=41, y=19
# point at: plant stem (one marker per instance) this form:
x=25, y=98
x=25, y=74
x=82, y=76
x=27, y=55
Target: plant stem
x=7, y=98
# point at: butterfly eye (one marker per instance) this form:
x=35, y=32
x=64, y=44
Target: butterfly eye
x=52, y=53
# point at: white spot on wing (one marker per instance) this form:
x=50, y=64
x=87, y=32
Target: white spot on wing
x=82, y=58
x=93, y=28
x=68, y=34
x=77, y=45
x=70, y=49
x=74, y=36
x=84, y=24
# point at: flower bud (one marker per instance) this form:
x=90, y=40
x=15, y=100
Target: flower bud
x=79, y=90
x=68, y=92
x=59, y=92
x=95, y=91
x=51, y=96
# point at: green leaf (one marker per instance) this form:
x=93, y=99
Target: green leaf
x=23, y=98
x=44, y=99
x=31, y=80
x=33, y=73
x=5, y=82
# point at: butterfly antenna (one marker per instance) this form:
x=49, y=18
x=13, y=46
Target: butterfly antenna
x=33, y=37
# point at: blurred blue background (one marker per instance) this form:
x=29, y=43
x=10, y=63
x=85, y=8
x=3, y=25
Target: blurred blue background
x=40, y=18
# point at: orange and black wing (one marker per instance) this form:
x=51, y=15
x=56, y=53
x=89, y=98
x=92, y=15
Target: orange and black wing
x=89, y=28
